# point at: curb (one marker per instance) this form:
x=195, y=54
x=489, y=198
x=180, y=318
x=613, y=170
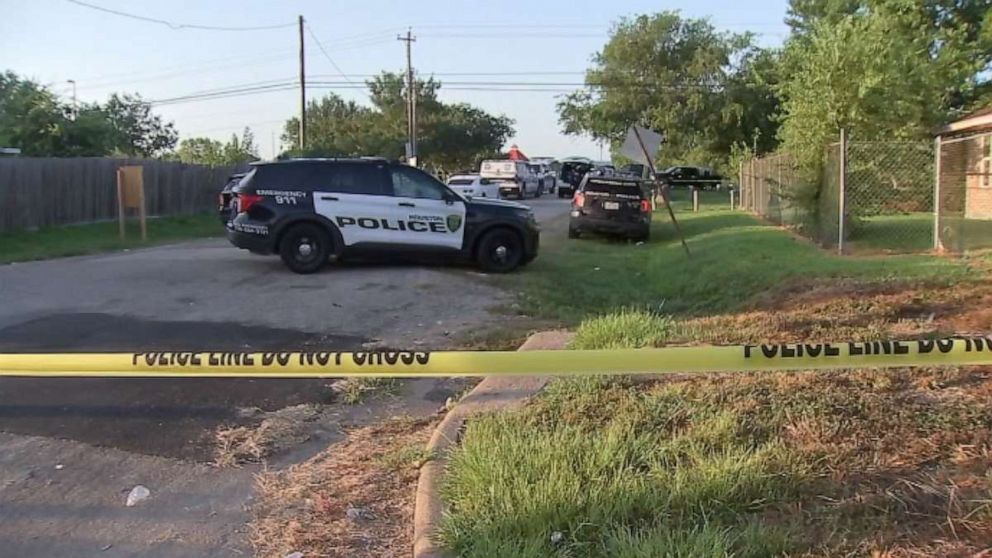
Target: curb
x=492, y=393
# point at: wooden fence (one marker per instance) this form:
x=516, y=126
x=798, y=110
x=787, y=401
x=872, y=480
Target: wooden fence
x=40, y=192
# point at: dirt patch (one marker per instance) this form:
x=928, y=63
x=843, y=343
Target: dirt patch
x=353, y=499
x=819, y=311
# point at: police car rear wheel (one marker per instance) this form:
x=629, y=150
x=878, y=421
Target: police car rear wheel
x=500, y=251
x=305, y=248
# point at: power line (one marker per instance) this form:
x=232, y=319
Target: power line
x=177, y=26
x=327, y=56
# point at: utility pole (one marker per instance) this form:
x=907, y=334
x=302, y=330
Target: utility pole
x=303, y=93
x=75, y=104
x=411, y=96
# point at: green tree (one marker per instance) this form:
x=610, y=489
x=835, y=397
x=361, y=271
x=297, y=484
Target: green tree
x=870, y=73
x=200, y=151
x=707, y=90
x=953, y=36
x=450, y=136
x=138, y=132
x=206, y=151
x=31, y=117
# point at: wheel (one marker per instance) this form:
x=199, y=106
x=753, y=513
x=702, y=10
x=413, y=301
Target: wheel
x=573, y=233
x=642, y=237
x=305, y=248
x=500, y=251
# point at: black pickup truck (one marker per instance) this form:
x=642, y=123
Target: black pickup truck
x=702, y=178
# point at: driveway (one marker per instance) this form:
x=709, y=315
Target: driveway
x=113, y=433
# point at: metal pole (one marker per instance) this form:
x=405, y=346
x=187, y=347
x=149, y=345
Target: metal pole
x=411, y=95
x=731, y=199
x=649, y=158
x=303, y=92
x=695, y=200
x=75, y=103
x=937, y=145
x=740, y=182
x=842, y=201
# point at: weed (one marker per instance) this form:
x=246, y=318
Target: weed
x=356, y=390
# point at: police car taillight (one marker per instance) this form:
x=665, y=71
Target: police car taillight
x=579, y=199
x=645, y=206
x=245, y=201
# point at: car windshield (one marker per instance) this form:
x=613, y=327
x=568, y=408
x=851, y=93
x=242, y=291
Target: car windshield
x=380, y=279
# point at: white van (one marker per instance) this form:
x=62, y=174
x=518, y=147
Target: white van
x=514, y=178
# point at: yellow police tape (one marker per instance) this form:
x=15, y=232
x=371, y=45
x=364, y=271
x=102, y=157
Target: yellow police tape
x=743, y=358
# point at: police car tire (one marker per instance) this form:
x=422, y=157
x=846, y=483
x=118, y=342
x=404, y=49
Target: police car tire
x=290, y=248
x=488, y=256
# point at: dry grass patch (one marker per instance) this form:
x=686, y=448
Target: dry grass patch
x=354, y=499
x=278, y=430
x=839, y=310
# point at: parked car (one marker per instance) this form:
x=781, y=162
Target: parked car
x=701, y=178
x=604, y=168
x=225, y=197
x=514, y=178
x=308, y=210
x=548, y=178
x=571, y=174
x=473, y=186
x=612, y=205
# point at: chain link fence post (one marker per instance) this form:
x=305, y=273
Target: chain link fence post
x=841, y=201
x=937, y=245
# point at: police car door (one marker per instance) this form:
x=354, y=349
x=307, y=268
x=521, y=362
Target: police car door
x=355, y=197
x=427, y=213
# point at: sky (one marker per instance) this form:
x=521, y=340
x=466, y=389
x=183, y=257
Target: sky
x=53, y=41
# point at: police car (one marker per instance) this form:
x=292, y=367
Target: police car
x=308, y=210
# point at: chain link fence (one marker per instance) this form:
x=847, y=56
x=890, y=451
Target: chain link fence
x=886, y=190
x=766, y=186
x=889, y=196
x=964, y=198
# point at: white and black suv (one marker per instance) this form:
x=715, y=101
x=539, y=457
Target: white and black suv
x=308, y=210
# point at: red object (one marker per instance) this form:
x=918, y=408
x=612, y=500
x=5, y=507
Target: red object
x=516, y=154
x=245, y=201
x=579, y=199
x=645, y=206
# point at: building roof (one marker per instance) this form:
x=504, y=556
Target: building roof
x=977, y=120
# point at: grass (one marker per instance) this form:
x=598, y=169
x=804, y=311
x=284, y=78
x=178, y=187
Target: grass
x=734, y=257
x=881, y=463
x=912, y=232
x=74, y=240
x=722, y=466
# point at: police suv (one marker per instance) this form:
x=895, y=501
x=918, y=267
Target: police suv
x=308, y=210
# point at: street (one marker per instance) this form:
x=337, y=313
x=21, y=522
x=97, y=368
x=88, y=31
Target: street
x=197, y=296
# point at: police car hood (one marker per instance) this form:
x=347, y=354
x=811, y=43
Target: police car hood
x=489, y=202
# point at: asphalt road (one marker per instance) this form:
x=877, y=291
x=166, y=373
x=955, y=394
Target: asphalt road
x=208, y=295
x=71, y=449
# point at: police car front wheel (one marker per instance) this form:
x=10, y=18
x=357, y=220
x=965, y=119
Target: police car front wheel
x=305, y=248
x=500, y=251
